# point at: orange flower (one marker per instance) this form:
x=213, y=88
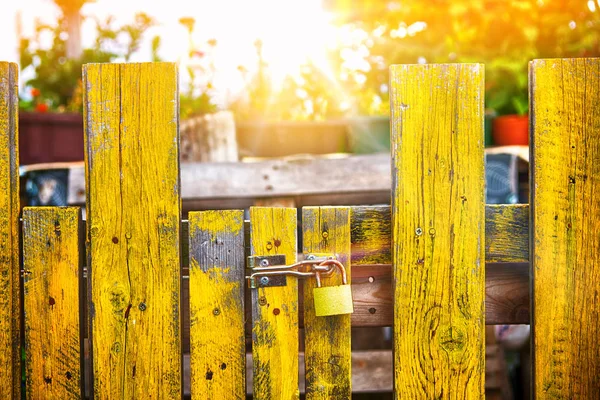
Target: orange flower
x=35, y=92
x=41, y=107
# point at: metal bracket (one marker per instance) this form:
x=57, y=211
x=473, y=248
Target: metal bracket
x=261, y=262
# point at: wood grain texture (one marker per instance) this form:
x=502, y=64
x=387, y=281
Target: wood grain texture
x=328, y=356
x=10, y=357
x=566, y=222
x=217, y=340
x=52, y=266
x=133, y=212
x=507, y=233
x=506, y=238
x=275, y=309
x=438, y=220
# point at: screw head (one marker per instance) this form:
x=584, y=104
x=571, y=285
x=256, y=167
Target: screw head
x=419, y=231
x=216, y=311
x=264, y=280
x=142, y=306
x=264, y=262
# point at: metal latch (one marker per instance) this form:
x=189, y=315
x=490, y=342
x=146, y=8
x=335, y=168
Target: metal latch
x=268, y=271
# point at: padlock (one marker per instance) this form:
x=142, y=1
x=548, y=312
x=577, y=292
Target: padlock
x=333, y=300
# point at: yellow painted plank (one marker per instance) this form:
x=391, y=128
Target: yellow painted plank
x=217, y=340
x=327, y=351
x=51, y=265
x=506, y=234
x=438, y=223
x=10, y=361
x=275, y=309
x=133, y=213
x=565, y=95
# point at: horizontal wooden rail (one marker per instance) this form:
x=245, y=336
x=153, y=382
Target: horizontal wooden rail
x=506, y=236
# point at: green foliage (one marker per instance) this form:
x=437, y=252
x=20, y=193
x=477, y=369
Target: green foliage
x=198, y=98
x=57, y=77
x=504, y=35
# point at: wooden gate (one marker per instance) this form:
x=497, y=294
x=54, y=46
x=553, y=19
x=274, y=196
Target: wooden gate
x=115, y=280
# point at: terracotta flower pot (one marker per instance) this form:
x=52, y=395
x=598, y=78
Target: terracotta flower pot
x=510, y=130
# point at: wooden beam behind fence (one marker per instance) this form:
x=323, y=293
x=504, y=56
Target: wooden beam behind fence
x=52, y=273
x=217, y=340
x=133, y=211
x=438, y=225
x=506, y=234
x=327, y=351
x=565, y=95
x=10, y=356
x=275, y=309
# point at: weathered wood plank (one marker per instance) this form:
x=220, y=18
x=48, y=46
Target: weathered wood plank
x=566, y=220
x=506, y=239
x=10, y=357
x=438, y=222
x=275, y=309
x=372, y=371
x=507, y=233
x=133, y=212
x=328, y=355
x=52, y=267
x=217, y=340
x=361, y=175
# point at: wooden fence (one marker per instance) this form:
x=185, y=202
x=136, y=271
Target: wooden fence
x=439, y=236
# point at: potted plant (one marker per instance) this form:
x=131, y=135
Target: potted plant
x=507, y=95
x=50, y=118
x=303, y=116
x=206, y=134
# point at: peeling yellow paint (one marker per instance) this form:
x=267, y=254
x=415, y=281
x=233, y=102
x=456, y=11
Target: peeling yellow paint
x=133, y=213
x=217, y=340
x=565, y=95
x=10, y=356
x=51, y=259
x=438, y=224
x=275, y=309
x=327, y=354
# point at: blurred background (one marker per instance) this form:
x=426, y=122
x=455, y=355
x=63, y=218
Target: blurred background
x=265, y=80
x=273, y=61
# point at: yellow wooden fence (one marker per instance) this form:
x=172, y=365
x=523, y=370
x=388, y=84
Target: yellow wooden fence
x=438, y=235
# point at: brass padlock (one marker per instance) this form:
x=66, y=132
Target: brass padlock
x=333, y=300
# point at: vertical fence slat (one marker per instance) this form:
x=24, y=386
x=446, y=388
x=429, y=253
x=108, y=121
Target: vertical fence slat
x=275, y=309
x=217, y=340
x=327, y=353
x=438, y=222
x=565, y=185
x=51, y=264
x=10, y=361
x=133, y=212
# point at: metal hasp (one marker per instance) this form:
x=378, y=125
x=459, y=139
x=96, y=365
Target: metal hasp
x=269, y=271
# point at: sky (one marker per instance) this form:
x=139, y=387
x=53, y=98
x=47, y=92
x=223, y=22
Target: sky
x=291, y=31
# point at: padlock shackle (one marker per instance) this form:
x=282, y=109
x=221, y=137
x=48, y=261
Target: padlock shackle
x=339, y=266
